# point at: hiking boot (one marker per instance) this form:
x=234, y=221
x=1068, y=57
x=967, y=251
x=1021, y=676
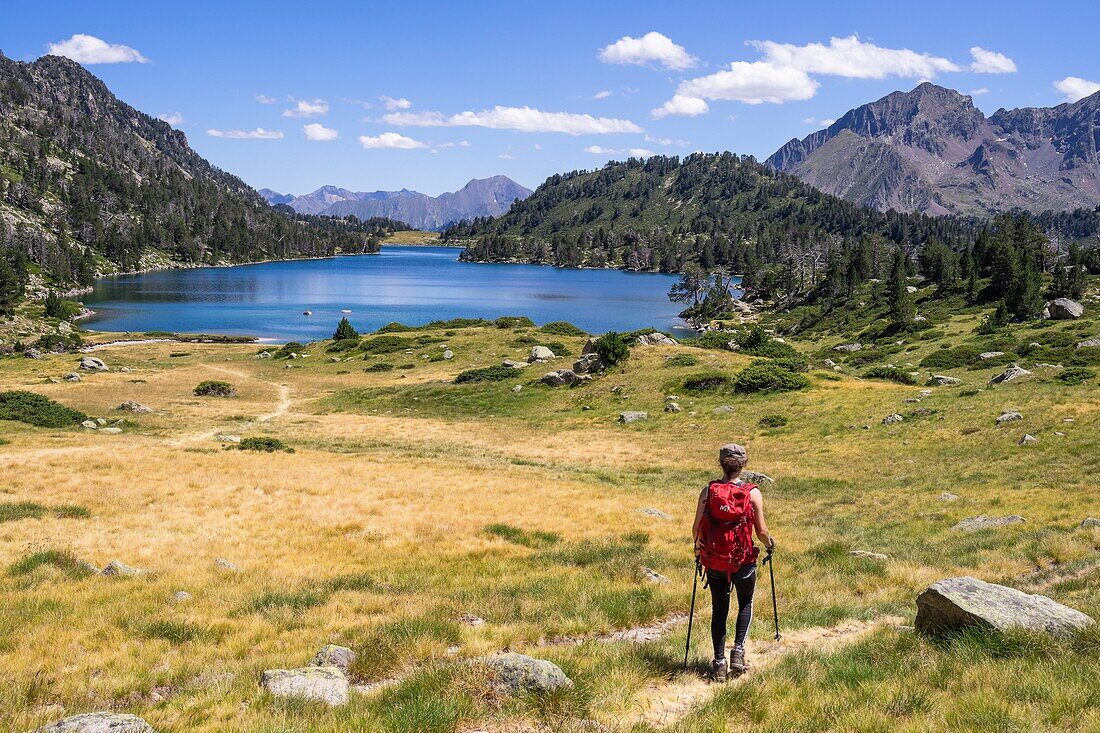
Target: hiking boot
x=738, y=665
x=718, y=670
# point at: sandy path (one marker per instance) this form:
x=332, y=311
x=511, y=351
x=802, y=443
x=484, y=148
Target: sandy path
x=282, y=406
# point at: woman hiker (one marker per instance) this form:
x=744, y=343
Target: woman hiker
x=728, y=512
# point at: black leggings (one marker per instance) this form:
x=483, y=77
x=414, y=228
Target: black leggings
x=721, y=586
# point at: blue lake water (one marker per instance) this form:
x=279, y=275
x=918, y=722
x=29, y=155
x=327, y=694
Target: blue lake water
x=412, y=285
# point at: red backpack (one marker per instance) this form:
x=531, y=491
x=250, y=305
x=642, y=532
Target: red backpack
x=726, y=527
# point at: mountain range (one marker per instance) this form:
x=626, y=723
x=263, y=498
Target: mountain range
x=480, y=197
x=931, y=150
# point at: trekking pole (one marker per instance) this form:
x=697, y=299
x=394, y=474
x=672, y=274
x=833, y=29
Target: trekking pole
x=775, y=607
x=691, y=615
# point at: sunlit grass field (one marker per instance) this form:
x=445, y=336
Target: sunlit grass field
x=410, y=500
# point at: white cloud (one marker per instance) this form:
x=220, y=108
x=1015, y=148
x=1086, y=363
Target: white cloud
x=264, y=99
x=319, y=133
x=258, y=134
x=522, y=119
x=394, y=104
x=826, y=122
x=175, y=119
x=538, y=147
x=85, y=49
x=640, y=152
x=814, y=121
x=304, y=108
x=597, y=150
x=452, y=144
x=652, y=47
x=391, y=140
x=979, y=91
x=604, y=94
x=506, y=156
x=680, y=105
x=991, y=62
x=1074, y=88
x=852, y=58
x=633, y=152
x=751, y=82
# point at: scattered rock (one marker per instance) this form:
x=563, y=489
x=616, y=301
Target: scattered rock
x=1090, y=522
x=831, y=364
x=891, y=419
x=126, y=370
x=73, y=377
x=589, y=346
x=98, y=723
x=911, y=400
x=588, y=363
x=263, y=355
x=673, y=407
x=134, y=407
x=228, y=438
x=986, y=355
x=1089, y=344
x=513, y=363
x=518, y=672
x=117, y=568
x=848, y=347
x=540, y=353
x=181, y=596
x=655, y=339
x=948, y=496
x=518, y=388
x=222, y=564
x=1028, y=439
x=565, y=377
x=723, y=409
x=469, y=619
x=110, y=431
x=945, y=381
x=332, y=655
x=959, y=603
x=1011, y=374
x=32, y=354
x=869, y=555
x=101, y=421
x=632, y=416
x=89, y=424
x=654, y=512
x=981, y=522
x=755, y=477
x=93, y=364
x=910, y=289
x=653, y=576
x=1064, y=309
x=448, y=354
x=1009, y=417
x=325, y=684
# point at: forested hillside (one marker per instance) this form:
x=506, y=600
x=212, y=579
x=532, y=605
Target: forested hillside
x=717, y=210
x=90, y=185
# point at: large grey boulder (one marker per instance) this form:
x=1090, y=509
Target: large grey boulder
x=655, y=339
x=514, y=364
x=588, y=363
x=1011, y=374
x=1089, y=344
x=540, y=353
x=632, y=416
x=986, y=355
x=959, y=603
x=324, y=684
x=98, y=723
x=980, y=522
x=1064, y=309
x=589, y=346
x=516, y=673
x=1089, y=522
x=848, y=347
x=93, y=364
x=32, y=354
x=1009, y=416
x=565, y=378
x=333, y=655
x=944, y=381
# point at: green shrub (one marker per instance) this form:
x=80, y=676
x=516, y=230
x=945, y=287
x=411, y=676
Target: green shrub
x=486, y=374
x=525, y=537
x=710, y=381
x=773, y=350
x=714, y=340
x=38, y=410
x=379, y=367
x=558, y=348
x=457, y=323
x=1076, y=375
x=792, y=363
x=612, y=348
x=63, y=560
x=264, y=445
x=58, y=342
x=767, y=376
x=406, y=367
x=681, y=360
x=894, y=374
x=57, y=307
x=387, y=344
x=562, y=328
x=394, y=327
x=215, y=388
x=344, y=331
x=514, y=322
x=773, y=421
x=292, y=347
x=953, y=358
x=339, y=347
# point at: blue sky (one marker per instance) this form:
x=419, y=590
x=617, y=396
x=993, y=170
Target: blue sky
x=428, y=95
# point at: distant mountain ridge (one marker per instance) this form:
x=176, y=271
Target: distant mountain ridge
x=480, y=197
x=931, y=150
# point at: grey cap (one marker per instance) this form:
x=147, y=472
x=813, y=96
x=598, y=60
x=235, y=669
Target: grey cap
x=733, y=450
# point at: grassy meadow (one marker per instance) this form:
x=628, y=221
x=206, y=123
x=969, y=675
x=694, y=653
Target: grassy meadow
x=409, y=500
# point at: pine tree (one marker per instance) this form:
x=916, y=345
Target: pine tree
x=900, y=303
x=344, y=331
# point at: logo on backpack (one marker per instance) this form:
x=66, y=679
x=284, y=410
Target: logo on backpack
x=726, y=528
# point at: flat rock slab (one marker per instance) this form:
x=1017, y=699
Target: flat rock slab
x=1064, y=309
x=333, y=655
x=98, y=723
x=118, y=568
x=1010, y=375
x=980, y=522
x=960, y=603
x=324, y=684
x=650, y=511
x=755, y=477
x=518, y=672
x=632, y=416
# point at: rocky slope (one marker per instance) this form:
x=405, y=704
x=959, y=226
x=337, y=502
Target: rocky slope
x=480, y=197
x=931, y=150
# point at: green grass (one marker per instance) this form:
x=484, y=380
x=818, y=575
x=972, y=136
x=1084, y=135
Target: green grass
x=14, y=511
x=62, y=560
x=527, y=538
x=487, y=374
x=264, y=444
